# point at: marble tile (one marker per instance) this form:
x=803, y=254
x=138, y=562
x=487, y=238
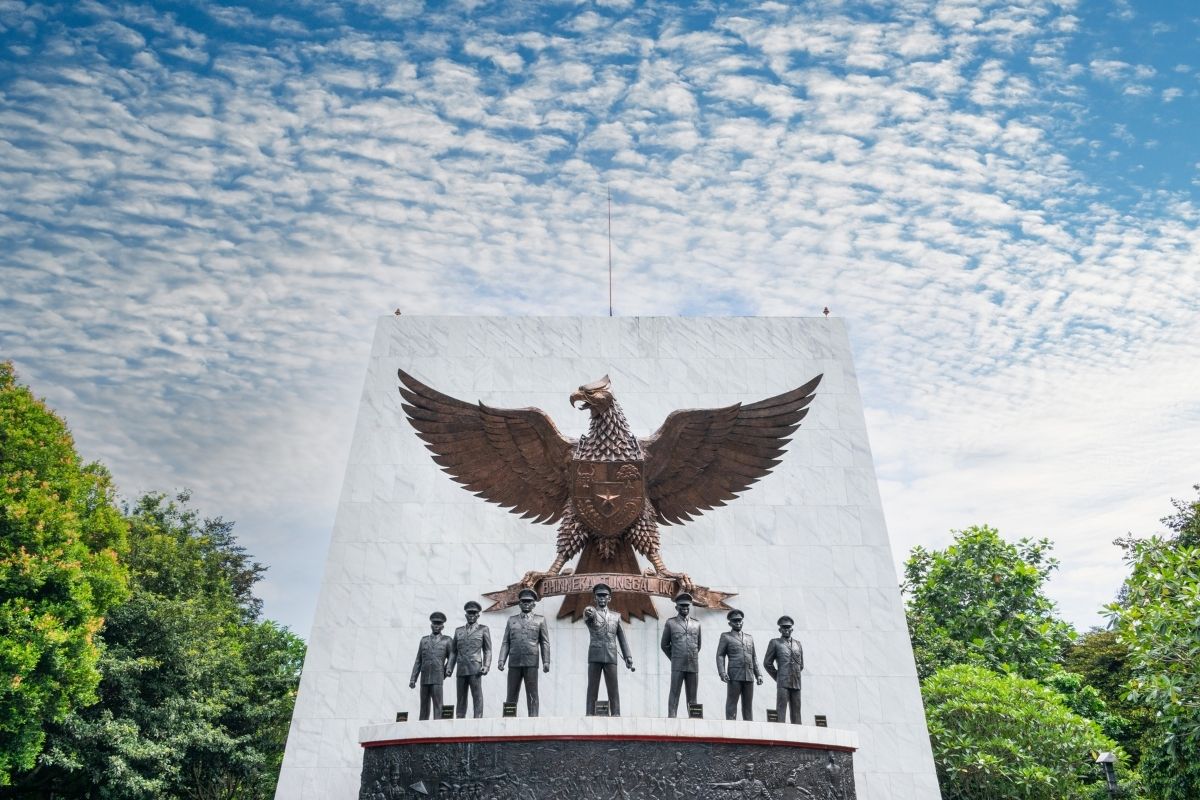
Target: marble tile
x=925, y=785
x=901, y=786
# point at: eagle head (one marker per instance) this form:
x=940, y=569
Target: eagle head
x=596, y=395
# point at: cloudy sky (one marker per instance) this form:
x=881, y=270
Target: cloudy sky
x=204, y=208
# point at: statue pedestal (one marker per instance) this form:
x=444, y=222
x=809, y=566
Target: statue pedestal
x=598, y=758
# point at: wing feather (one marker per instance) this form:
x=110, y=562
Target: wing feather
x=702, y=458
x=515, y=457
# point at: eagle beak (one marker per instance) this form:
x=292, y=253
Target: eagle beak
x=581, y=397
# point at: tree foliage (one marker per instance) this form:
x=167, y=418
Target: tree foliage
x=1002, y=736
x=197, y=691
x=1086, y=701
x=1101, y=660
x=1184, y=524
x=1158, y=619
x=61, y=536
x=980, y=601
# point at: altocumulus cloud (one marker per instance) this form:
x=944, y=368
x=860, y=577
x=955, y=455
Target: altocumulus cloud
x=204, y=207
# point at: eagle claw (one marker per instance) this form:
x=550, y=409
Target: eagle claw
x=530, y=579
x=685, y=581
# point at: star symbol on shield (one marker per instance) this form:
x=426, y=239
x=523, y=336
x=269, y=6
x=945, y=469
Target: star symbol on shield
x=609, y=499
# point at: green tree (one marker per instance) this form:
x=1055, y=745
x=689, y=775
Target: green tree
x=1002, y=736
x=1086, y=701
x=1158, y=619
x=1101, y=660
x=980, y=601
x=61, y=536
x=197, y=690
x=1184, y=524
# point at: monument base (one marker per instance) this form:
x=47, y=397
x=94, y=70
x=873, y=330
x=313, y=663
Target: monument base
x=598, y=758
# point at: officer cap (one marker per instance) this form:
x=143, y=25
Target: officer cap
x=527, y=594
x=472, y=606
x=735, y=614
x=683, y=598
x=437, y=616
x=600, y=586
x=785, y=620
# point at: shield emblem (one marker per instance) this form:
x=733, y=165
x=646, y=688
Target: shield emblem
x=608, y=495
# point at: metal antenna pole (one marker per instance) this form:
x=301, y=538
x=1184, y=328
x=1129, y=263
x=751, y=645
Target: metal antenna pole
x=609, y=251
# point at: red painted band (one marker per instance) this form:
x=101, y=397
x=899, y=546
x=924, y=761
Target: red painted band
x=606, y=738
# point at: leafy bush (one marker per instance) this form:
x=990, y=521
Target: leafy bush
x=1002, y=736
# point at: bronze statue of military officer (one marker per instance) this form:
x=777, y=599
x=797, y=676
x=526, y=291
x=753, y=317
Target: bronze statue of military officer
x=526, y=638
x=681, y=643
x=738, y=667
x=472, y=654
x=432, y=666
x=604, y=628
x=784, y=663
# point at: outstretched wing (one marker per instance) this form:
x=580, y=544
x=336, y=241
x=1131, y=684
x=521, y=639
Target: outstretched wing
x=701, y=459
x=515, y=458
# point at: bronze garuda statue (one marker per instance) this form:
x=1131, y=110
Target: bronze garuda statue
x=608, y=490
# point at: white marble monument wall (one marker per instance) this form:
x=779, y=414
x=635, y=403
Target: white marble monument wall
x=809, y=540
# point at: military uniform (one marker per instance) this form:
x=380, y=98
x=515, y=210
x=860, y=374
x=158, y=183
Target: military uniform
x=472, y=655
x=526, y=641
x=737, y=663
x=607, y=635
x=433, y=654
x=681, y=644
x=784, y=663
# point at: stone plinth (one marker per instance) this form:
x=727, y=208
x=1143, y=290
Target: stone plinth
x=600, y=757
x=809, y=540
